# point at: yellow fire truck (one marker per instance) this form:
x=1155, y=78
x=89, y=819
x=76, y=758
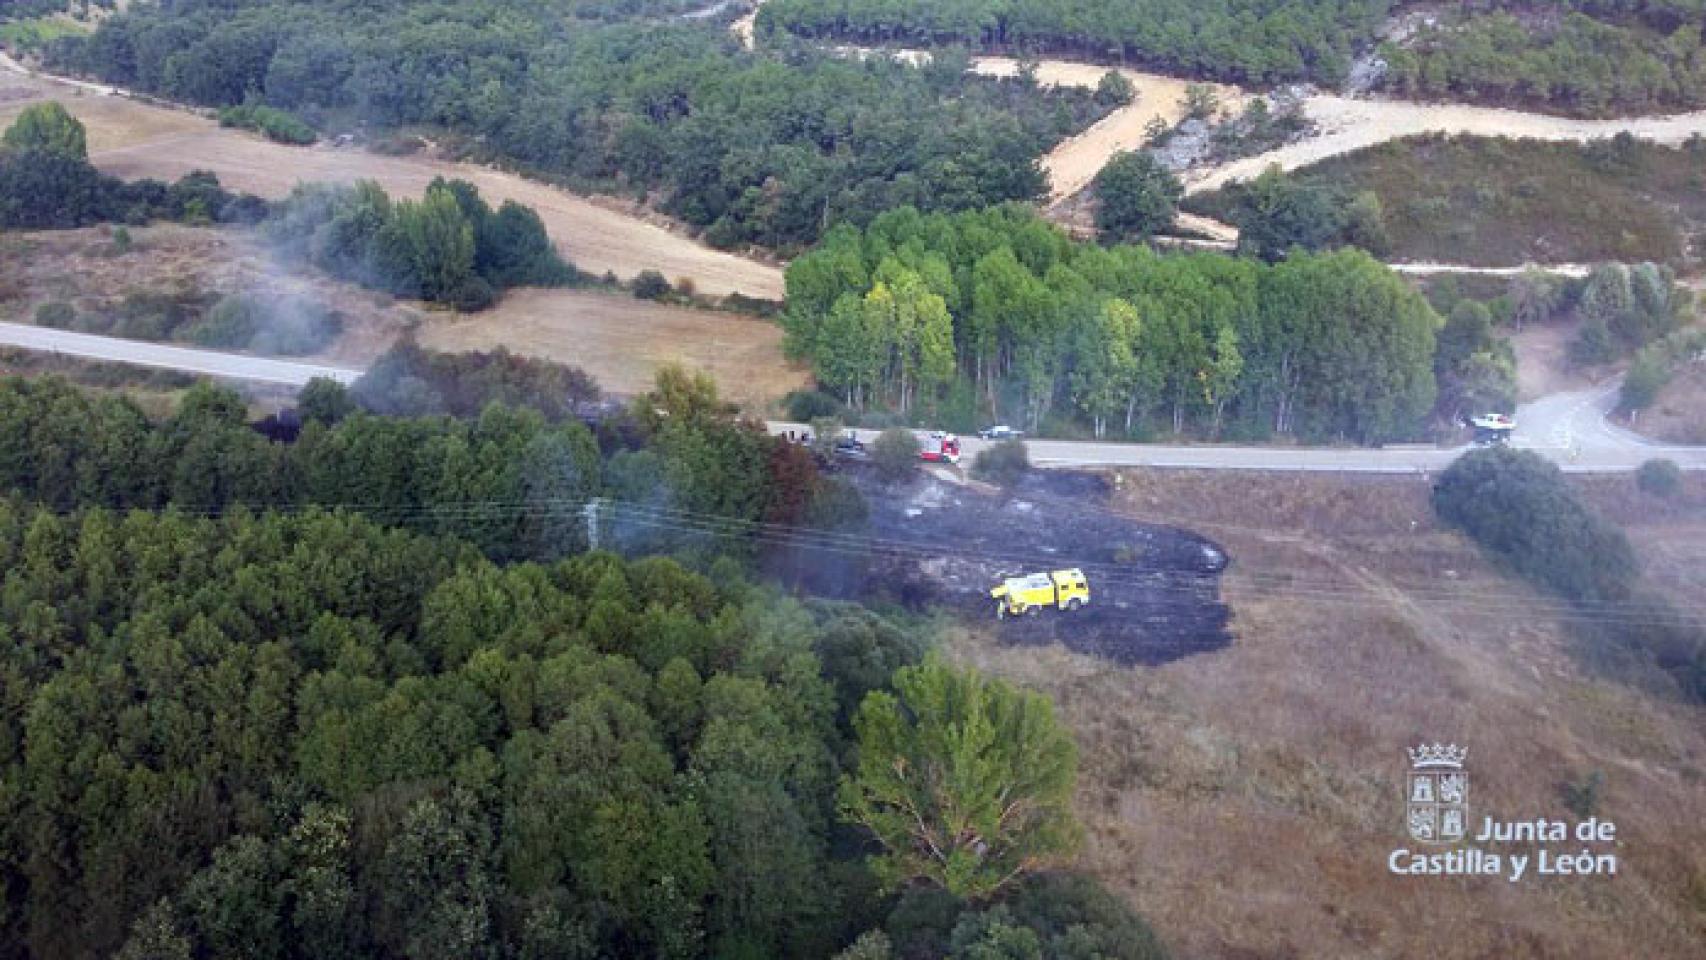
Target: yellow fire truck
x=1061, y=590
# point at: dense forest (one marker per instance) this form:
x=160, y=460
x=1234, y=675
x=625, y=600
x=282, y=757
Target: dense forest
x=1641, y=57
x=682, y=451
x=755, y=149
x=426, y=722
x=1250, y=41
x=960, y=316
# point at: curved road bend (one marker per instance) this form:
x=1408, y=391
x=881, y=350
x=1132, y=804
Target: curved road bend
x=1567, y=428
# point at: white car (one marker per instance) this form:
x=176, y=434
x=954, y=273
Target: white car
x=1000, y=432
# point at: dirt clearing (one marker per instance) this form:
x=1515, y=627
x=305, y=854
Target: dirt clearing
x=131, y=139
x=1246, y=800
x=622, y=341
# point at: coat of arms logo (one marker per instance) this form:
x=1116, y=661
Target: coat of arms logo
x=1437, y=793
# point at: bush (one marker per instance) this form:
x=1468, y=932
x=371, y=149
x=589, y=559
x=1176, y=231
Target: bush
x=1519, y=507
x=651, y=285
x=58, y=314
x=290, y=326
x=804, y=406
x=895, y=454
x=276, y=125
x=1659, y=477
x=1003, y=464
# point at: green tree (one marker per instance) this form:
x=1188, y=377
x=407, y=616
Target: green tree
x=1106, y=375
x=965, y=781
x=429, y=246
x=1136, y=196
x=437, y=892
x=49, y=128
x=326, y=401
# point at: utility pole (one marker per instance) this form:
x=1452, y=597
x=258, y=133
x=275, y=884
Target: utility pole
x=590, y=511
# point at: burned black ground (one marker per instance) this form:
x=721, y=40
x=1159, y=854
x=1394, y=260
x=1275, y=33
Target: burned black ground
x=1155, y=590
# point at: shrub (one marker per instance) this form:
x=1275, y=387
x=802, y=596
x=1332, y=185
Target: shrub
x=651, y=285
x=290, y=326
x=1003, y=464
x=804, y=406
x=1659, y=477
x=1519, y=507
x=895, y=454
x=276, y=125
x=57, y=314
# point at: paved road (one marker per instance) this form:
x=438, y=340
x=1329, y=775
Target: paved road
x=210, y=362
x=1568, y=428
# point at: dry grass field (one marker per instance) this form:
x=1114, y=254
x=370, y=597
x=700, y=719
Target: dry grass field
x=617, y=339
x=1246, y=800
x=131, y=139
x=82, y=267
x=622, y=341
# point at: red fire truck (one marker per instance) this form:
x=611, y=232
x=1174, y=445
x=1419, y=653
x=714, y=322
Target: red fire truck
x=939, y=447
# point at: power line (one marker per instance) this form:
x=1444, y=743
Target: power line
x=1337, y=592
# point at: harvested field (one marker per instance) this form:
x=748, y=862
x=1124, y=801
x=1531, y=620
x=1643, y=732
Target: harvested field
x=622, y=341
x=1247, y=800
x=131, y=139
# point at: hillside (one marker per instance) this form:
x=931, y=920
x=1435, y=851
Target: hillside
x=1496, y=202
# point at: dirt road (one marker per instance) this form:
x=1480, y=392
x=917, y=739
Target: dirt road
x=131, y=139
x=1349, y=124
x=1075, y=161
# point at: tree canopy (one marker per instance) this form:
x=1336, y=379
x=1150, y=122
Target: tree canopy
x=1036, y=327
x=1135, y=196
x=1253, y=41
x=966, y=782
x=756, y=149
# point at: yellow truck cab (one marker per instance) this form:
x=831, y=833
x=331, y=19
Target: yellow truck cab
x=1061, y=590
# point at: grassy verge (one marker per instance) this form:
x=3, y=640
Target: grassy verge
x=1497, y=202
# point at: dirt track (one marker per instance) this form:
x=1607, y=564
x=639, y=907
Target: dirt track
x=132, y=139
x=1348, y=125
x=1074, y=162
